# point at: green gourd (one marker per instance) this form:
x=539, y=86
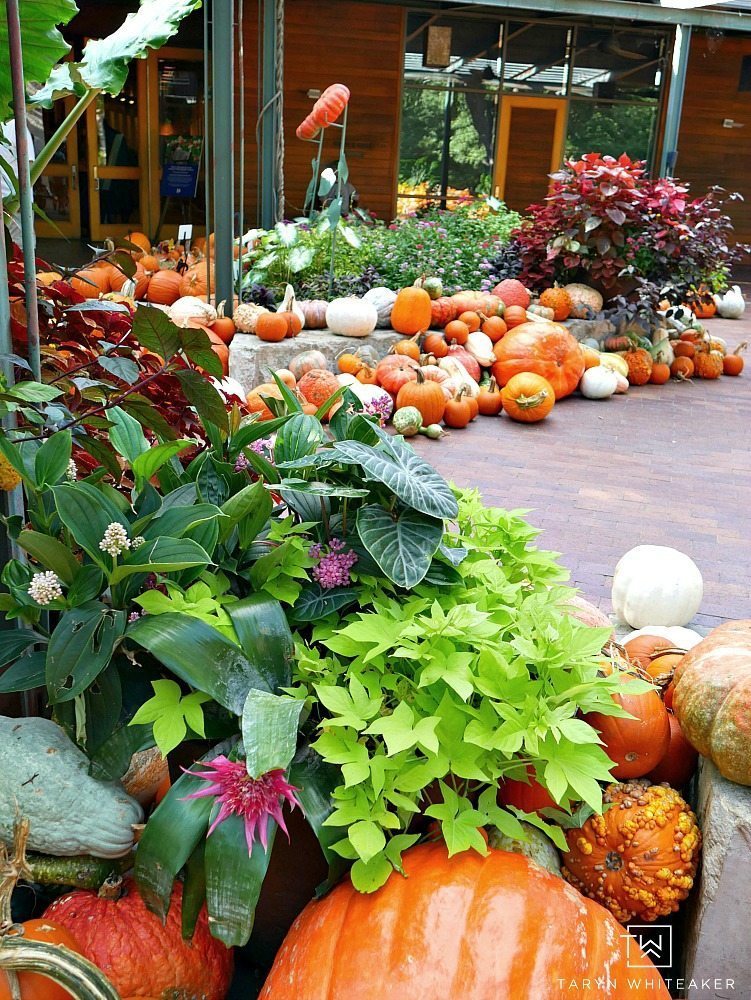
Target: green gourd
x=407, y=421
x=45, y=778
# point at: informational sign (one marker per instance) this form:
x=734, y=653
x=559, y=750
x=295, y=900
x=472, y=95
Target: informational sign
x=180, y=166
x=185, y=234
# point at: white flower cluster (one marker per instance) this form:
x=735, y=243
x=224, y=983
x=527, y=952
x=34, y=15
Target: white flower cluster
x=137, y=542
x=71, y=473
x=115, y=539
x=45, y=588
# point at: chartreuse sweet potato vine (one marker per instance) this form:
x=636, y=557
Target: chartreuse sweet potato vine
x=424, y=701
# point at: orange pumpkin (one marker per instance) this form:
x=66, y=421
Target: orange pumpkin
x=514, y=316
x=634, y=745
x=224, y=327
x=682, y=369
x=679, y=763
x=272, y=327
x=32, y=985
x=638, y=859
x=91, y=282
x=547, y=349
x=732, y=364
x=164, y=288
x=684, y=349
x=195, y=280
x=495, y=328
x=394, y=370
x=490, y=401
x=471, y=927
x=709, y=364
x=642, y=649
x=436, y=345
x=149, y=263
x=367, y=375
x=527, y=397
x=349, y=364
x=425, y=396
x=470, y=319
x=640, y=366
x=318, y=385
x=529, y=795
x=409, y=348
x=458, y=412
x=660, y=374
x=256, y=402
x=412, y=311
x=457, y=331
x=559, y=300
x=141, y=240
x=592, y=357
x=287, y=377
x=442, y=311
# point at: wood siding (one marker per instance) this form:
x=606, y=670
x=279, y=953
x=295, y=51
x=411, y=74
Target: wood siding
x=708, y=153
x=334, y=41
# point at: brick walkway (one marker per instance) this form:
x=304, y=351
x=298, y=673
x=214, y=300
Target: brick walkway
x=664, y=465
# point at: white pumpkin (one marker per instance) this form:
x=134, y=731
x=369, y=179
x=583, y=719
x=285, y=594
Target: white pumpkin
x=681, y=638
x=614, y=361
x=480, y=346
x=369, y=393
x=383, y=299
x=459, y=376
x=731, y=304
x=190, y=309
x=598, y=383
x=656, y=585
x=662, y=350
x=346, y=379
x=351, y=317
x=621, y=384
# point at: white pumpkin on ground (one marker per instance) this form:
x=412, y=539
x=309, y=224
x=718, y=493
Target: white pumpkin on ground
x=656, y=585
x=351, y=317
x=598, y=383
x=681, y=638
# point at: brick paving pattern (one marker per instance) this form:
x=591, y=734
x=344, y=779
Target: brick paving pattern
x=663, y=465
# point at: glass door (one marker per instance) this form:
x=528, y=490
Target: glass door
x=531, y=133
x=57, y=192
x=117, y=175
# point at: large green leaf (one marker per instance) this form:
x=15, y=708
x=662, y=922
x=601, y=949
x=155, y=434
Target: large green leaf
x=315, y=602
x=14, y=641
x=176, y=521
x=25, y=674
x=86, y=512
x=300, y=436
x=410, y=477
x=51, y=553
x=251, y=508
x=234, y=879
x=151, y=461
x=196, y=347
x=43, y=45
x=269, y=728
x=402, y=544
x=200, y=655
x=52, y=459
x=163, y=555
x=80, y=648
x=264, y=634
x=126, y=434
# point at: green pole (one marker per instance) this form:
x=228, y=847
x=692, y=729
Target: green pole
x=270, y=119
x=681, y=49
x=223, y=115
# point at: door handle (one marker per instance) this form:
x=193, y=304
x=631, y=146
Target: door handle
x=96, y=177
x=73, y=177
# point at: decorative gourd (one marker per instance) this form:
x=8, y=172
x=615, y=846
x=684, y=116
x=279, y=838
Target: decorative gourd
x=442, y=311
x=317, y=385
x=246, y=316
x=489, y=401
x=383, y=299
x=712, y=699
x=708, y=364
x=351, y=317
x=289, y=304
x=586, y=302
x=656, y=585
x=732, y=364
x=527, y=397
x=731, y=304
x=615, y=362
x=305, y=362
x=598, y=383
x=662, y=349
x=679, y=763
x=456, y=370
x=458, y=939
x=639, y=364
x=424, y=396
x=622, y=385
x=367, y=393
x=349, y=363
x=307, y=129
x=634, y=745
x=536, y=312
x=466, y=359
x=188, y=310
x=141, y=956
x=314, y=312
x=591, y=356
x=165, y=288
x=480, y=346
x=411, y=312
x=546, y=349
x=432, y=373
x=272, y=327
x=330, y=105
x=536, y=846
x=559, y=300
x=512, y=292
x=45, y=777
x=432, y=285
x=407, y=420
x=529, y=796
x=436, y=345
x=639, y=858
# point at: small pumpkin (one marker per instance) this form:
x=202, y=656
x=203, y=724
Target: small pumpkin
x=456, y=332
x=165, y=288
x=256, y=400
x=392, y=377
x=732, y=364
x=660, y=374
x=515, y=316
x=246, y=316
x=559, y=300
x=490, y=401
x=684, y=349
x=494, y=327
x=512, y=293
x=351, y=317
x=436, y=345
x=412, y=312
x=527, y=397
x=349, y=363
x=682, y=369
x=442, y=311
x=638, y=744
x=330, y=105
x=410, y=348
x=424, y=396
x=314, y=311
x=305, y=362
x=656, y=585
x=383, y=299
x=708, y=364
x=196, y=279
x=141, y=240
x=318, y=385
x=679, y=763
x=639, y=858
x=457, y=413
x=639, y=364
x=91, y=282
x=272, y=327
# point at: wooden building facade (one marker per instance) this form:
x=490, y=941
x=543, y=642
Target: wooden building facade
x=484, y=100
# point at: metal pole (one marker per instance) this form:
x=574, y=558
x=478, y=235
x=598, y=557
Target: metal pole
x=223, y=114
x=24, y=185
x=681, y=48
x=207, y=142
x=269, y=123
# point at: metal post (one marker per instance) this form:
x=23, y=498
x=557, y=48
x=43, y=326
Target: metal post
x=270, y=118
x=681, y=48
x=24, y=185
x=10, y=502
x=223, y=114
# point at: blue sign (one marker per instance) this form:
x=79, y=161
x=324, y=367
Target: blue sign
x=179, y=180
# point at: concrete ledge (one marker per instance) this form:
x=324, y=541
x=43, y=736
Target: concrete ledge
x=584, y=329
x=717, y=927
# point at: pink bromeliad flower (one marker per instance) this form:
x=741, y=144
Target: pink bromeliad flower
x=255, y=799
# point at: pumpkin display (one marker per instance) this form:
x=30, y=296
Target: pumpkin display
x=318, y=385
x=434, y=344
x=165, y=288
x=660, y=374
x=598, y=382
x=489, y=401
x=656, y=585
x=383, y=299
x=411, y=312
x=732, y=364
x=677, y=636
x=645, y=648
x=425, y=396
x=512, y=293
x=679, y=763
x=442, y=311
x=91, y=282
x=527, y=397
x=530, y=796
x=349, y=363
x=330, y=105
x=314, y=312
x=712, y=699
x=272, y=327
x=456, y=332
x=545, y=349
x=682, y=368
x=708, y=364
x=305, y=362
x=638, y=744
x=684, y=349
x=586, y=302
x=458, y=939
x=639, y=858
x=559, y=300
x=111, y=929
x=351, y=317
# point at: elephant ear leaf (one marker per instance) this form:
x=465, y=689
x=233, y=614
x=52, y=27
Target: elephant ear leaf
x=43, y=45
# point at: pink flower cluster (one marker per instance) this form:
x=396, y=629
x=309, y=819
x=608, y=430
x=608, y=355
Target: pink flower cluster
x=334, y=563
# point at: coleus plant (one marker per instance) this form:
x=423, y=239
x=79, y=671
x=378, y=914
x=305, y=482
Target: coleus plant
x=337, y=628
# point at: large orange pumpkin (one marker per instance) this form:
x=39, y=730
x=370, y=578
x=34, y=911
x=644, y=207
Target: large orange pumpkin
x=634, y=745
x=546, y=349
x=412, y=311
x=195, y=280
x=639, y=858
x=33, y=985
x=140, y=240
x=493, y=928
x=139, y=955
x=164, y=288
x=712, y=699
x=527, y=397
x=92, y=282
x=425, y=396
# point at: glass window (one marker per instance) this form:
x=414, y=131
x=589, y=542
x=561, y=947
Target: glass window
x=536, y=59
x=473, y=46
x=617, y=64
x=612, y=129
x=181, y=122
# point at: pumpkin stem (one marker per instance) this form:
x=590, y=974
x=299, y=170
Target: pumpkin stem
x=12, y=868
x=111, y=888
x=530, y=402
x=741, y=347
x=220, y=309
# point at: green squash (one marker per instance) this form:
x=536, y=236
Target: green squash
x=537, y=848
x=44, y=777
